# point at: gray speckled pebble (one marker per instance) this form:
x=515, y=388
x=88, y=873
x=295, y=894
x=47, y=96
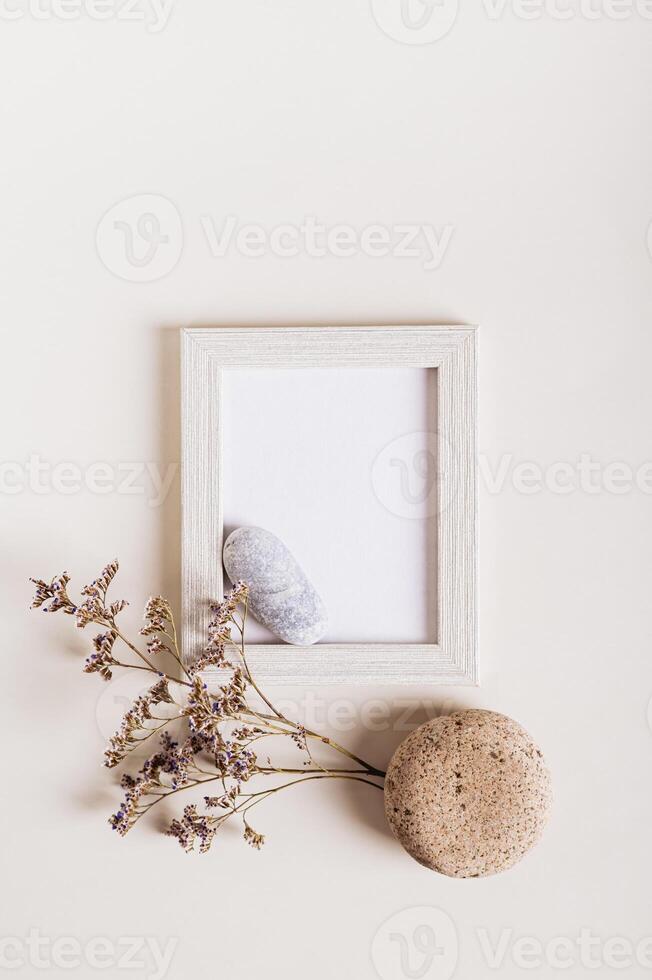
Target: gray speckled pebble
x=467, y=795
x=280, y=595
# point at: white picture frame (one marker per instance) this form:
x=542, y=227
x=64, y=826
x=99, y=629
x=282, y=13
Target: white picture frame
x=451, y=350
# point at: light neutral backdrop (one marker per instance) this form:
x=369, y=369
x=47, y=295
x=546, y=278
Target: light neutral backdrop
x=342, y=465
x=525, y=144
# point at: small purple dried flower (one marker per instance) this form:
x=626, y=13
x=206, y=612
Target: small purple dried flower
x=225, y=801
x=222, y=611
x=206, y=711
x=172, y=761
x=299, y=738
x=127, y=737
x=256, y=840
x=102, y=660
x=191, y=827
x=156, y=646
x=55, y=592
x=99, y=586
x=158, y=616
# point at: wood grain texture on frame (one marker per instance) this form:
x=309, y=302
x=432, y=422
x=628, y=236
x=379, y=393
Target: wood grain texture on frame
x=206, y=352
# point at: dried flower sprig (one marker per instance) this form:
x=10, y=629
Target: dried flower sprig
x=222, y=728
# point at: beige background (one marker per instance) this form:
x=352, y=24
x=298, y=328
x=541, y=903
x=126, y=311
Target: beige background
x=529, y=138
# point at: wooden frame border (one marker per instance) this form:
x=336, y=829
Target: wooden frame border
x=206, y=352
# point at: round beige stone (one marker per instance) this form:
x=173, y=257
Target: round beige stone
x=468, y=794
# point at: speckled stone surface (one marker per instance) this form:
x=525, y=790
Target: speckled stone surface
x=468, y=794
x=281, y=596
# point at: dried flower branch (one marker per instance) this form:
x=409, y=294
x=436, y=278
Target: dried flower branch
x=220, y=729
